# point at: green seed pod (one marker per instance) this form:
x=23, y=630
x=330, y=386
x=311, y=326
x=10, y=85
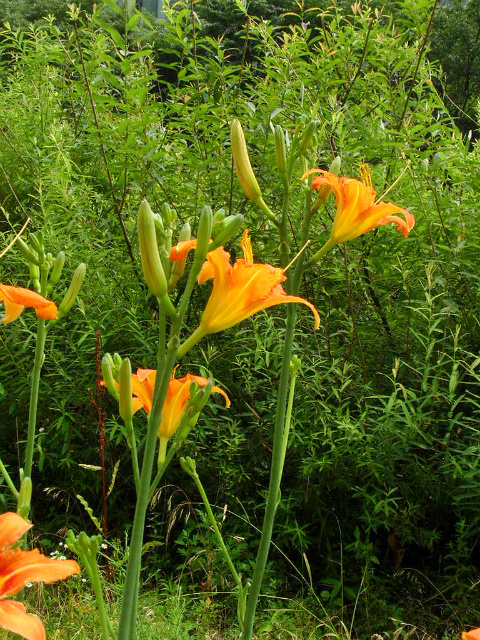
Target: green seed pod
x=27, y=253
x=72, y=292
x=125, y=401
x=108, y=379
x=280, y=150
x=56, y=271
x=242, y=162
x=226, y=231
x=204, y=233
x=307, y=137
x=151, y=263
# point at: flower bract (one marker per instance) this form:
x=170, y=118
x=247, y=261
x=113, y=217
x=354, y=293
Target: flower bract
x=16, y=299
x=18, y=567
x=357, y=211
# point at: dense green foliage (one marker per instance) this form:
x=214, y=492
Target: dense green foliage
x=381, y=496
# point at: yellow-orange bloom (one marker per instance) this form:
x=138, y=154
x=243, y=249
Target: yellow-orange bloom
x=16, y=299
x=240, y=290
x=474, y=634
x=357, y=211
x=18, y=567
x=178, y=394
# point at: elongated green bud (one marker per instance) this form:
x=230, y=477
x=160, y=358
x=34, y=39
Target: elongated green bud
x=178, y=266
x=188, y=465
x=242, y=162
x=219, y=216
x=204, y=233
x=307, y=137
x=56, y=271
x=159, y=227
x=25, y=497
x=335, y=166
x=35, y=276
x=280, y=150
x=168, y=214
x=72, y=292
x=117, y=363
x=223, y=232
x=151, y=263
x=125, y=401
x=108, y=379
x=27, y=253
x=36, y=240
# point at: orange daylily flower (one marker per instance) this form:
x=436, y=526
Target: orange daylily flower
x=16, y=299
x=357, y=211
x=240, y=290
x=18, y=567
x=474, y=634
x=178, y=394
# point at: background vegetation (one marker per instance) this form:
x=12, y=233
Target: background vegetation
x=379, y=519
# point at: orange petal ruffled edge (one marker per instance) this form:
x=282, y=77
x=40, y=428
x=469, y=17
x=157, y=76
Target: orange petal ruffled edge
x=12, y=528
x=279, y=296
x=14, y=618
x=16, y=298
x=474, y=634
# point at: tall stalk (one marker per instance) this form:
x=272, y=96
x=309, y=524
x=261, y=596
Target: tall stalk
x=278, y=454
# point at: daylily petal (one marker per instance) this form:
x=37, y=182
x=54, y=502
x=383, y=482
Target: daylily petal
x=474, y=634
x=18, y=567
x=16, y=298
x=14, y=618
x=180, y=250
x=48, y=313
x=12, y=528
x=240, y=290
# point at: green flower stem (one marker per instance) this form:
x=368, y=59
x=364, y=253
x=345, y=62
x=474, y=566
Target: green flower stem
x=320, y=253
x=213, y=522
x=264, y=208
x=284, y=248
x=161, y=470
x=288, y=416
x=278, y=454
x=127, y=623
x=9, y=481
x=190, y=342
x=97, y=590
x=275, y=478
x=132, y=441
x=126, y=629
x=32, y=415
